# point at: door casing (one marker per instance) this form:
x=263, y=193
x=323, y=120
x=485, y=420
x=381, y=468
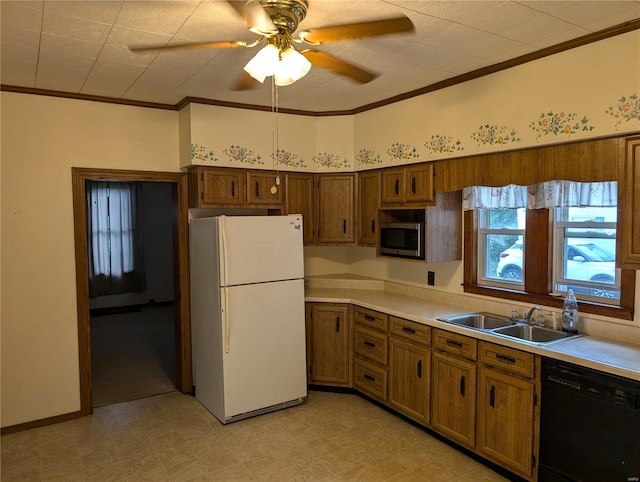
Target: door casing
x=178, y=181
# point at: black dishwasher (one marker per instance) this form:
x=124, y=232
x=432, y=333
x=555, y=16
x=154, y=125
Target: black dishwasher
x=589, y=425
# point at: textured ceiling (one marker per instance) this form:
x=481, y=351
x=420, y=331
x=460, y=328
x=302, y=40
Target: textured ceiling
x=80, y=47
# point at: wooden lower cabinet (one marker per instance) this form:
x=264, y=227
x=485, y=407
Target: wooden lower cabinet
x=329, y=344
x=370, y=378
x=505, y=420
x=453, y=398
x=478, y=394
x=409, y=375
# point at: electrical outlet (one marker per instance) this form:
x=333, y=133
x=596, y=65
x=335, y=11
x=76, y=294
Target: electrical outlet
x=431, y=278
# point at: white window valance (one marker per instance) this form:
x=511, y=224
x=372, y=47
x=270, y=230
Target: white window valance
x=551, y=194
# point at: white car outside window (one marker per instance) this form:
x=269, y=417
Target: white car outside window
x=584, y=262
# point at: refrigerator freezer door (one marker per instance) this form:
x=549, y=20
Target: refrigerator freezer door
x=256, y=249
x=266, y=363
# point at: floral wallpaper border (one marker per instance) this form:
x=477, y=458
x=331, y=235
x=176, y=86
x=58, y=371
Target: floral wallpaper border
x=551, y=123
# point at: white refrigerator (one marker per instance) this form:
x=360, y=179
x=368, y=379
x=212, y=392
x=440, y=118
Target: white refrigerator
x=247, y=314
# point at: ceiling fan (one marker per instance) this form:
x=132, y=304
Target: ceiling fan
x=275, y=22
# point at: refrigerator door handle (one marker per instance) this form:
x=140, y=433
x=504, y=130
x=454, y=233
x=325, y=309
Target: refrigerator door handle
x=222, y=233
x=227, y=321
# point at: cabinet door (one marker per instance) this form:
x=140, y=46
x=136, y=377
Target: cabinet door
x=299, y=200
x=629, y=207
x=453, y=404
x=221, y=187
x=260, y=186
x=505, y=420
x=392, y=181
x=336, y=209
x=409, y=379
x=419, y=184
x=329, y=344
x=368, y=200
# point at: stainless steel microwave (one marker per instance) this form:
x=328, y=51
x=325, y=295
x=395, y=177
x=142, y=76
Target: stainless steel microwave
x=404, y=240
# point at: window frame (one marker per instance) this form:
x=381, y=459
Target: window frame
x=483, y=233
x=538, y=269
x=560, y=225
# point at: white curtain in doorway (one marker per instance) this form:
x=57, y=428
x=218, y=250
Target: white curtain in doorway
x=116, y=256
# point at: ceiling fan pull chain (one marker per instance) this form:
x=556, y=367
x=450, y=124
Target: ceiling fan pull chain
x=274, y=133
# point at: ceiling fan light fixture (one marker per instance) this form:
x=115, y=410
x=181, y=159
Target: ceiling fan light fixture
x=291, y=67
x=264, y=63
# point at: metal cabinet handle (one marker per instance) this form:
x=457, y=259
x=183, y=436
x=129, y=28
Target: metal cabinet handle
x=257, y=189
x=369, y=318
x=462, y=385
x=454, y=343
x=370, y=378
x=373, y=226
x=337, y=324
x=233, y=189
x=396, y=187
x=344, y=226
x=419, y=368
x=406, y=329
x=413, y=185
x=505, y=359
x=369, y=344
x=492, y=396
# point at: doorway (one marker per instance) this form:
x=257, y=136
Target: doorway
x=178, y=313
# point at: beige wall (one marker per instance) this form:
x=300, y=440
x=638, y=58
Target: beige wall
x=42, y=139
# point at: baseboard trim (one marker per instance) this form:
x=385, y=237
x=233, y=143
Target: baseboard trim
x=65, y=417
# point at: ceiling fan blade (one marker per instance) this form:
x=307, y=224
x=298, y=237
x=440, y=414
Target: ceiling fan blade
x=245, y=82
x=357, y=30
x=338, y=66
x=226, y=44
x=255, y=16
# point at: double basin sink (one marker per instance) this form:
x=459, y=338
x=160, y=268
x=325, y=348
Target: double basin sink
x=503, y=326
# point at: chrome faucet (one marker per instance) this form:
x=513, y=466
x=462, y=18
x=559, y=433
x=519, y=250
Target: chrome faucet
x=529, y=314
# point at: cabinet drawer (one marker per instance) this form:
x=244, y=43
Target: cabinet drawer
x=370, y=344
x=410, y=330
x=459, y=345
x=370, y=379
x=507, y=359
x=370, y=318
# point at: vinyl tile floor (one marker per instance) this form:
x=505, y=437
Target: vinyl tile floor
x=171, y=437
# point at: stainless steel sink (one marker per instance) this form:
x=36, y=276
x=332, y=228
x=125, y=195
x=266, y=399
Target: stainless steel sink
x=534, y=334
x=481, y=321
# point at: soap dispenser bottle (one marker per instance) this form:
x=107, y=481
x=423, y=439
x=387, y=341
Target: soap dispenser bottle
x=570, y=317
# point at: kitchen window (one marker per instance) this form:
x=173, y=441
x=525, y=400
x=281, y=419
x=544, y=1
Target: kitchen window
x=501, y=244
x=533, y=243
x=584, y=253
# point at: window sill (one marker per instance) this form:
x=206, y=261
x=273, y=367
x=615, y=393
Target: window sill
x=552, y=301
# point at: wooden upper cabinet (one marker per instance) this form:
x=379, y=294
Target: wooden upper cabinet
x=392, y=186
x=299, y=200
x=368, y=201
x=419, y=184
x=629, y=206
x=215, y=187
x=336, y=209
x=260, y=186
x=408, y=185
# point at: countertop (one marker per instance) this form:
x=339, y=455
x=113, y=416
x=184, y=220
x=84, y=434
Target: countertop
x=608, y=356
